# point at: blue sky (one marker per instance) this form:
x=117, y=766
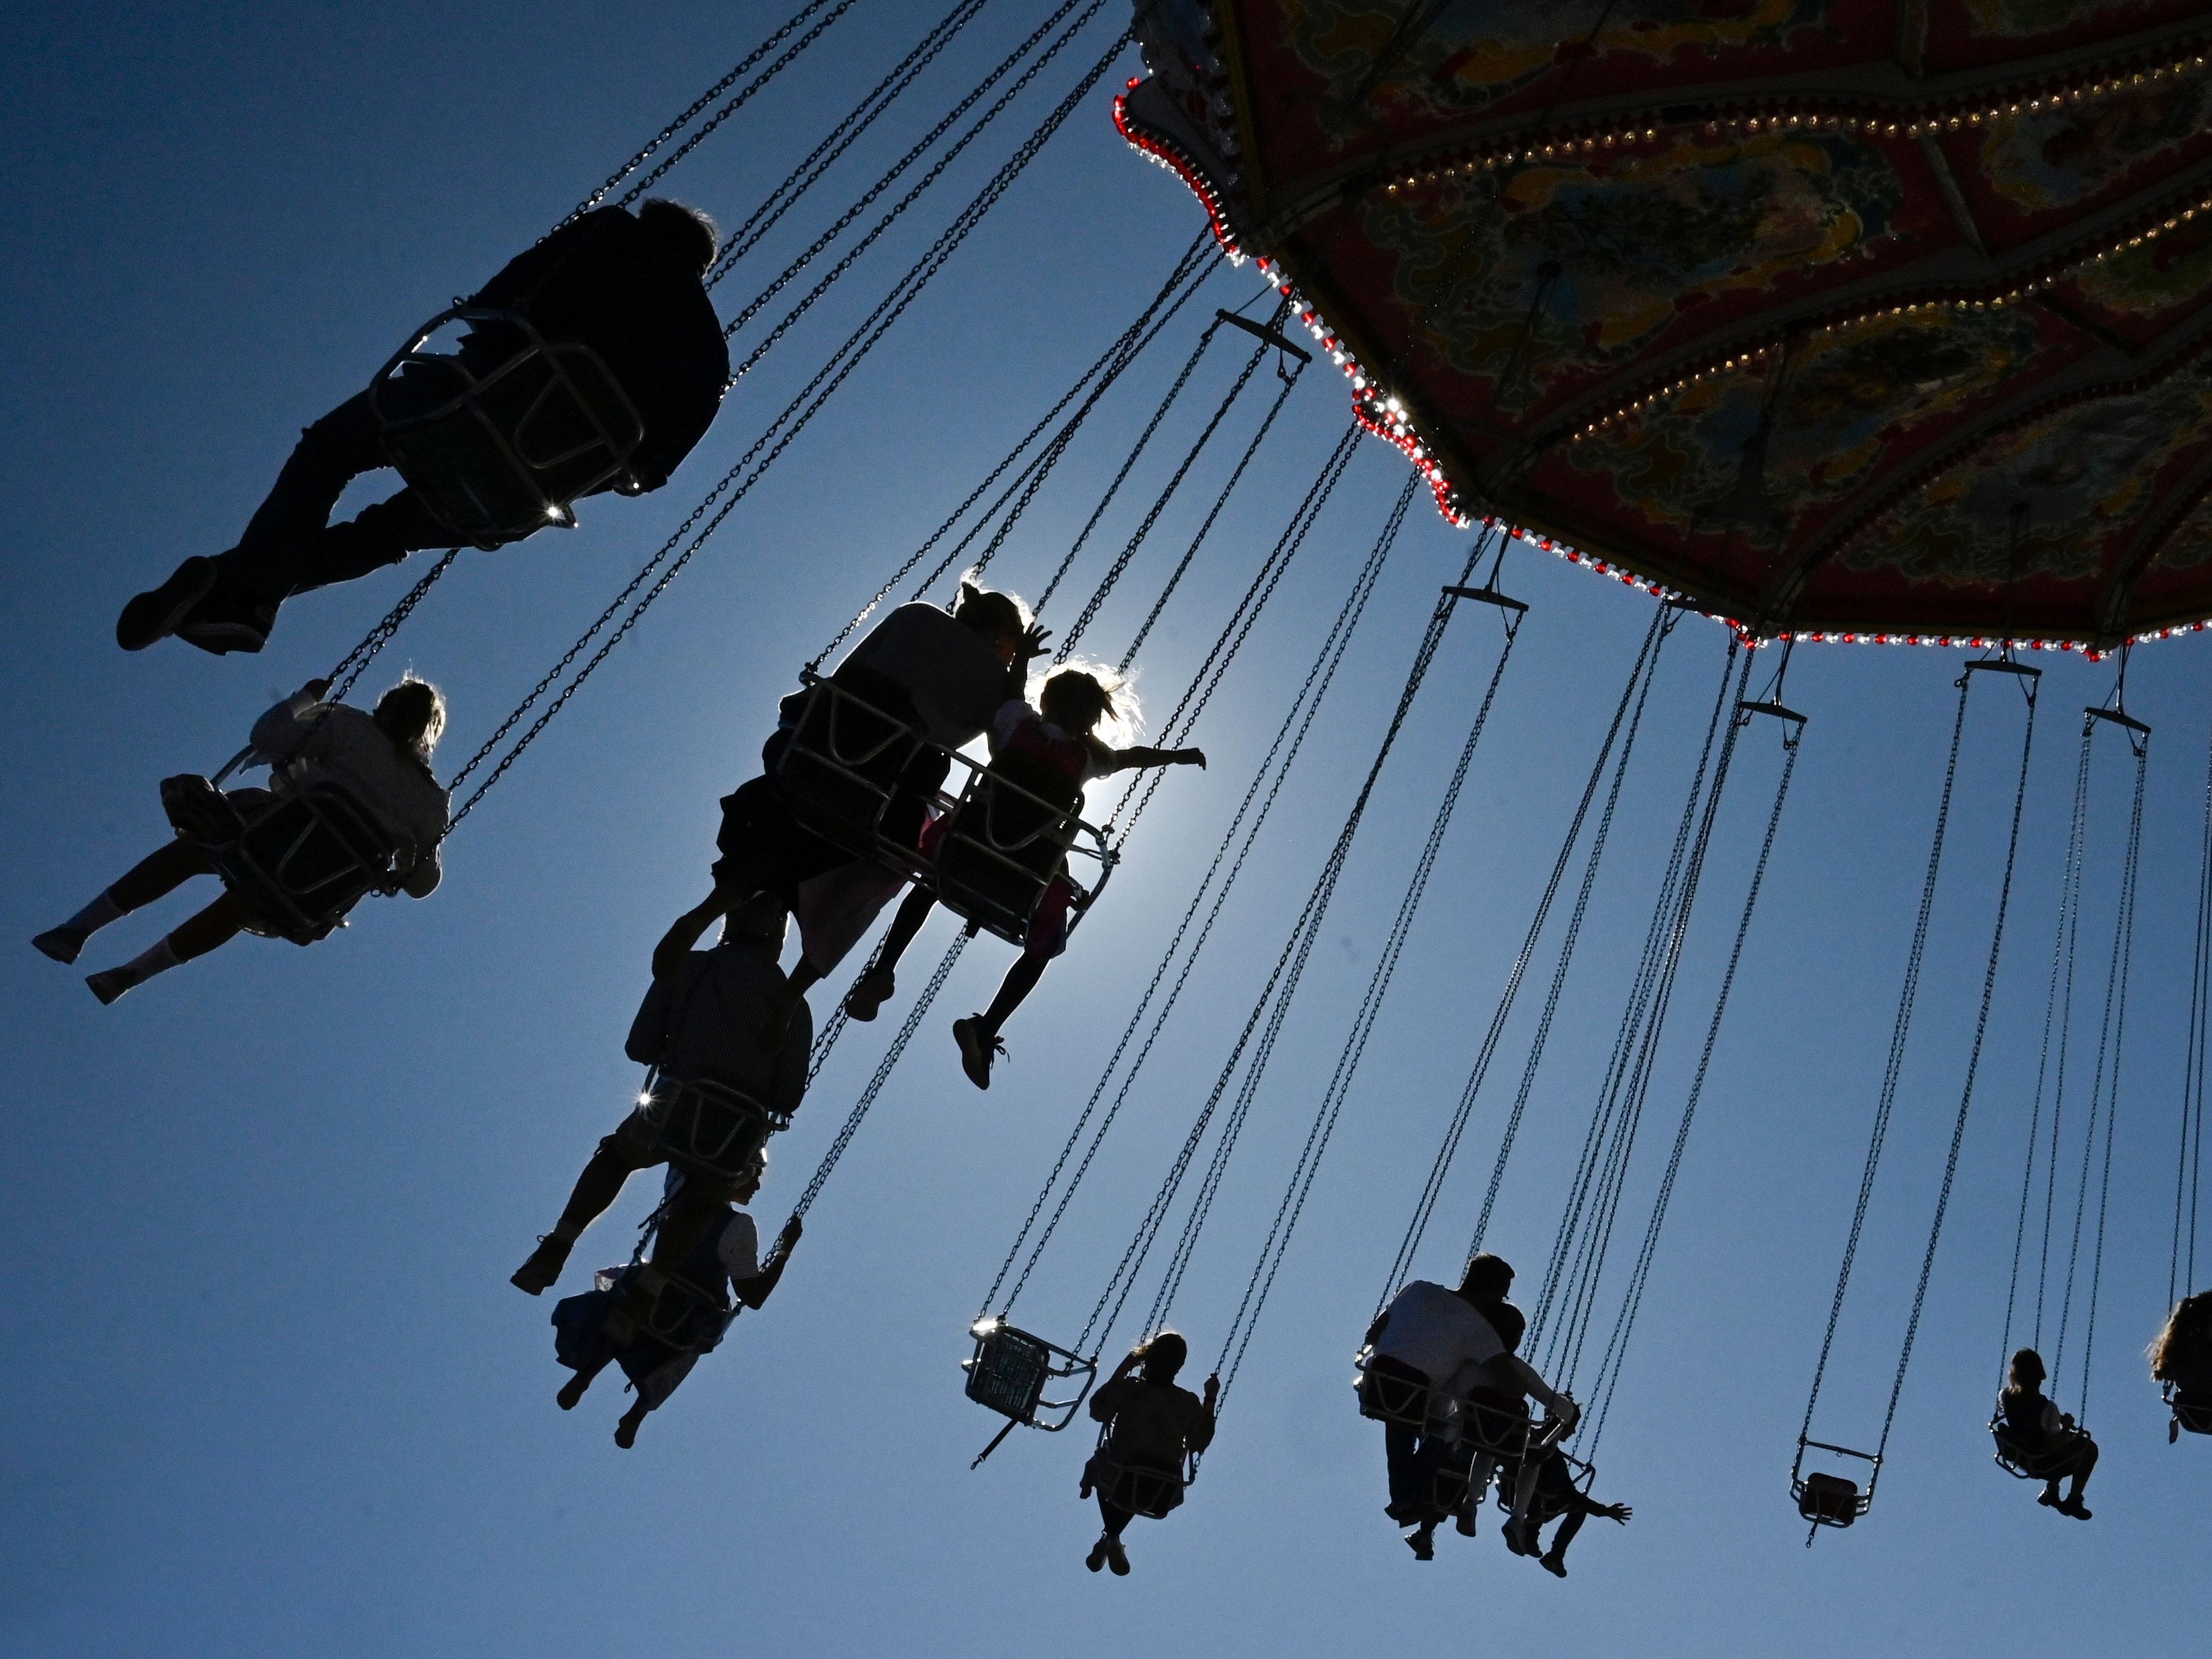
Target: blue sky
x=268, y=1391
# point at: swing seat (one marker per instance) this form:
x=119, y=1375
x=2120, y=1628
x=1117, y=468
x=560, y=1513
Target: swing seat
x=1142, y=1488
x=1829, y=1500
x=1010, y=1370
x=1508, y=1436
x=709, y=1129
x=855, y=739
x=684, y=1317
x=303, y=860
x=505, y=453
x=1387, y=1397
x=1009, y=834
x=2193, y=1414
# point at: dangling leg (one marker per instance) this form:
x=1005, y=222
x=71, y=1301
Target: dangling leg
x=869, y=991
x=632, y=1421
x=1109, y=1546
x=571, y=1391
x=617, y=1157
x=218, y=924
x=2083, y=1465
x=155, y=875
x=1555, y=1559
x=978, y=1034
x=1520, y=1532
x=1478, y=1488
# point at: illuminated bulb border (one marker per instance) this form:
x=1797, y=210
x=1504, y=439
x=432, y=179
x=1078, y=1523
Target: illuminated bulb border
x=1807, y=117
x=1387, y=419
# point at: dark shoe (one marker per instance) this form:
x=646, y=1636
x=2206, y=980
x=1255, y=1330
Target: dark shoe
x=976, y=1049
x=2049, y=1498
x=1118, y=1558
x=157, y=613
x=1521, y=1538
x=1463, y=1520
x=1097, y=1558
x=1556, y=1566
x=228, y=619
x=62, y=944
x=110, y=984
x=866, y=997
x=1423, y=1544
x=626, y=1434
x=2074, y=1507
x=537, y=1274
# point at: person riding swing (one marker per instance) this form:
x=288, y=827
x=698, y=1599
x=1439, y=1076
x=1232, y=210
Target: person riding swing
x=369, y=814
x=699, y=1027
x=942, y=673
x=2044, y=1441
x=1050, y=752
x=1152, y=1428
x=721, y=1271
x=626, y=289
x=2181, y=1358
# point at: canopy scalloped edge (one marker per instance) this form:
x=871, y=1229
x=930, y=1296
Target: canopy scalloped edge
x=1152, y=132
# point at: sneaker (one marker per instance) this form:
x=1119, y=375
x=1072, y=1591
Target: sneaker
x=869, y=992
x=1423, y=1544
x=1097, y=1558
x=62, y=944
x=537, y=1274
x=976, y=1049
x=1520, y=1538
x=1463, y=1520
x=2049, y=1499
x=110, y=984
x=2074, y=1507
x=1556, y=1566
x=158, y=612
x=1118, y=1558
x=228, y=619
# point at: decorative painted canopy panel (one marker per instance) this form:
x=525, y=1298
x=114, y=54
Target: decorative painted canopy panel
x=1867, y=317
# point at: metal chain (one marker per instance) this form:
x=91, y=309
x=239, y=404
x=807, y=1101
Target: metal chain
x=936, y=171
x=1277, y=1243
x=802, y=408
x=744, y=97
x=875, y=1086
x=349, y=666
x=1966, y=1092
x=1308, y=702
x=1138, y=536
x=1887, y=1098
x=2180, y=1270
x=1116, y=358
x=842, y=137
x=1615, y=1357
x=697, y=105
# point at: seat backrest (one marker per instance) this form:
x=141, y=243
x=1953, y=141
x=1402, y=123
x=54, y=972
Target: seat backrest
x=1828, y=1499
x=307, y=858
x=856, y=734
x=1008, y=1372
x=714, y=1130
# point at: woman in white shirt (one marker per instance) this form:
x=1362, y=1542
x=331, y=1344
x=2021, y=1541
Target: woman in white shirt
x=380, y=761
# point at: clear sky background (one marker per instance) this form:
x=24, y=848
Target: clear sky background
x=267, y=1388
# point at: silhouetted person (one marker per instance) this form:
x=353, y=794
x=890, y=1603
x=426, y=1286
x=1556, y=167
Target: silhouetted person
x=1152, y=1426
x=1558, y=1497
x=722, y=1268
x=627, y=286
x=700, y=1024
x=1437, y=1340
x=380, y=761
x=946, y=673
x=1051, y=752
x=2181, y=1358
x=2047, y=1442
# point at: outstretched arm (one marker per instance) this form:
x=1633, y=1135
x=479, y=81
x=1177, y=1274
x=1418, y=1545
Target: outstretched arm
x=757, y=1289
x=686, y=931
x=1557, y=1403
x=1139, y=757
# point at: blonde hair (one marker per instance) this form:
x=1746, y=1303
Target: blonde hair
x=1097, y=699
x=2189, y=1325
x=412, y=714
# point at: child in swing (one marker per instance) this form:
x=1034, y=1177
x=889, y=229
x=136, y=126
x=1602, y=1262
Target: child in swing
x=1050, y=752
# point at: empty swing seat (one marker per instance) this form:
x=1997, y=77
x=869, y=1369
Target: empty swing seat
x=710, y=1129
x=300, y=861
x=1005, y=841
x=1010, y=1370
x=497, y=455
x=1829, y=1500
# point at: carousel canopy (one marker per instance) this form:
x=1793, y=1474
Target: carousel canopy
x=1843, y=318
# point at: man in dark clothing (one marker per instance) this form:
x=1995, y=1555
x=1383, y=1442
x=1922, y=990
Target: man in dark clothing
x=627, y=286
